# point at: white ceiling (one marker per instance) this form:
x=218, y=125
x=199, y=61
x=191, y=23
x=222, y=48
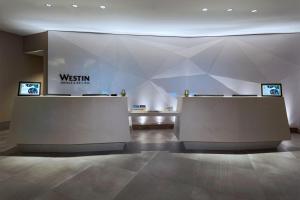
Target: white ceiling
x=152, y=17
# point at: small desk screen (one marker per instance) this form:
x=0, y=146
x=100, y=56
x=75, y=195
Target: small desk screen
x=271, y=90
x=29, y=89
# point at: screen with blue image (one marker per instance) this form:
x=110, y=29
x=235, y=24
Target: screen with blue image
x=274, y=89
x=29, y=89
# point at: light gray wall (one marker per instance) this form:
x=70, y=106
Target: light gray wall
x=154, y=70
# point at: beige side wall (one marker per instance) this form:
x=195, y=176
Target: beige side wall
x=15, y=66
x=35, y=42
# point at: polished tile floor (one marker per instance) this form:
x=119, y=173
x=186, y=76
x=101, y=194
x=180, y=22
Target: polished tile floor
x=153, y=136
x=154, y=175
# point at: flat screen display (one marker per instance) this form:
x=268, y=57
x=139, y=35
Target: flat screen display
x=271, y=89
x=29, y=89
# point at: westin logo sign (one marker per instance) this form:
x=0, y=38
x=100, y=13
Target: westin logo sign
x=74, y=79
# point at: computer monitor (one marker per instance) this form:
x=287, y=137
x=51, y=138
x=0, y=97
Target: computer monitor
x=271, y=89
x=29, y=89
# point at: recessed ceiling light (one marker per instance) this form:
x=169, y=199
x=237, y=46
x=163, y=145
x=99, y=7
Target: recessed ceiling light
x=229, y=9
x=253, y=11
x=102, y=7
x=205, y=9
x=74, y=5
x=48, y=5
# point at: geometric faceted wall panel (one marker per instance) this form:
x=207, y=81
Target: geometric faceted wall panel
x=155, y=70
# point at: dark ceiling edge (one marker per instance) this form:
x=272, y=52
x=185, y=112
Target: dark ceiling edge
x=200, y=36
x=165, y=36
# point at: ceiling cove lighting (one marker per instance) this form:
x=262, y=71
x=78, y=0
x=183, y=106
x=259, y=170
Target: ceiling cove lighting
x=74, y=5
x=103, y=7
x=205, y=9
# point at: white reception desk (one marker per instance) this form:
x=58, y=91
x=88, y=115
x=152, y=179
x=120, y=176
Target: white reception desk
x=66, y=124
x=227, y=123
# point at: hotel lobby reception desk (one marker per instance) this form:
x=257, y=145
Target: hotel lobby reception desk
x=80, y=124
x=67, y=124
x=232, y=123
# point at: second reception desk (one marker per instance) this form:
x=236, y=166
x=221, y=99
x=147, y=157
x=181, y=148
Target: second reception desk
x=213, y=123
x=63, y=124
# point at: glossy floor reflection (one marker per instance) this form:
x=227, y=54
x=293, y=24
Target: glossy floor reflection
x=153, y=136
x=155, y=175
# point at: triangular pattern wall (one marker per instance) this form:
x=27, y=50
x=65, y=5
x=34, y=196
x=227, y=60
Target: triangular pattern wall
x=154, y=70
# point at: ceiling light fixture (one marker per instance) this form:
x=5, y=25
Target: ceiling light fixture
x=205, y=9
x=229, y=9
x=253, y=11
x=48, y=5
x=74, y=5
x=102, y=7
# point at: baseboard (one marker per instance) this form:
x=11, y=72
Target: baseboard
x=70, y=148
x=4, y=125
x=152, y=126
x=294, y=130
x=230, y=146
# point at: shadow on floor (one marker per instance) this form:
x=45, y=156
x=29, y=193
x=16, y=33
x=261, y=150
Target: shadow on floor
x=136, y=148
x=161, y=140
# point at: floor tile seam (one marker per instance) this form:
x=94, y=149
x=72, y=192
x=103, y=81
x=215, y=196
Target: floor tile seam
x=266, y=170
x=170, y=179
x=56, y=185
x=297, y=158
x=71, y=176
x=130, y=179
x=52, y=188
x=257, y=171
x=51, y=173
x=94, y=190
x=145, y=164
x=248, y=158
x=38, y=182
x=253, y=164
